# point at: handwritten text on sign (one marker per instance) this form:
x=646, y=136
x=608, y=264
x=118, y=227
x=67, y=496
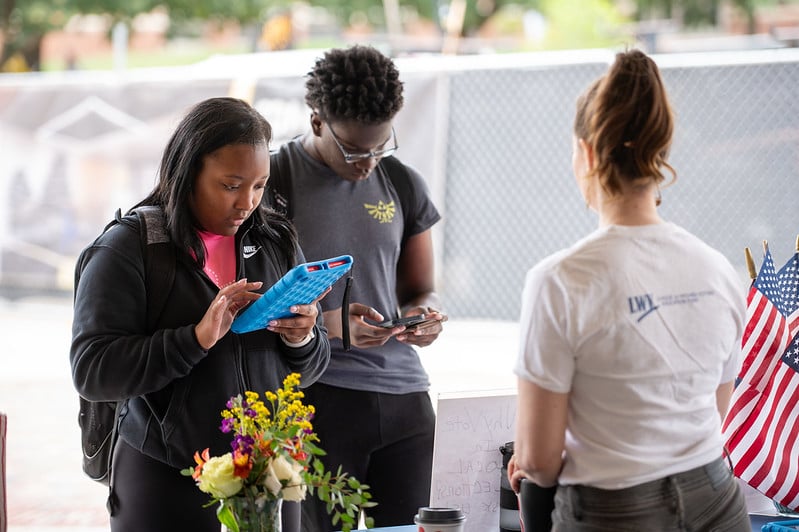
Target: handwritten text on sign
x=467, y=462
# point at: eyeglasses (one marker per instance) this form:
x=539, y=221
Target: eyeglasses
x=356, y=157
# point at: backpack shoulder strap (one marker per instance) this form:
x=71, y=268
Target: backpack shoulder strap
x=279, y=186
x=400, y=177
x=99, y=427
x=159, y=260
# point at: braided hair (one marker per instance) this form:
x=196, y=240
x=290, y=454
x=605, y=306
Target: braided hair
x=355, y=84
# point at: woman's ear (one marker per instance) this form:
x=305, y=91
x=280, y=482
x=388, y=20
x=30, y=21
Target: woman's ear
x=588, y=154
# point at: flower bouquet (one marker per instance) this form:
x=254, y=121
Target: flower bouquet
x=273, y=457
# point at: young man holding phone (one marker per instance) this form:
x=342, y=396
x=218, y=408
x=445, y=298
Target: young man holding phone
x=348, y=195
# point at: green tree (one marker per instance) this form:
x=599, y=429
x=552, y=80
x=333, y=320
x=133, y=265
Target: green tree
x=478, y=11
x=598, y=25
x=343, y=10
x=24, y=23
x=692, y=12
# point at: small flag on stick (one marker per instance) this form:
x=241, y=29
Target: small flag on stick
x=788, y=278
x=759, y=427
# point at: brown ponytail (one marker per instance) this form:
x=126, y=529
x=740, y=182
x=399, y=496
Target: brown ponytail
x=627, y=119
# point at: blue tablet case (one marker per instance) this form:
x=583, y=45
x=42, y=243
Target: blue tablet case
x=300, y=286
x=781, y=526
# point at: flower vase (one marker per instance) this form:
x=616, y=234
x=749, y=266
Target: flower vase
x=255, y=514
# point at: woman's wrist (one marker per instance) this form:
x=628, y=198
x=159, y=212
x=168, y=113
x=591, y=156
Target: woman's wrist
x=302, y=342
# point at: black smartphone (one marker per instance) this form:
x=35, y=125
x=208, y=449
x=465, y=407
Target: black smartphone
x=410, y=322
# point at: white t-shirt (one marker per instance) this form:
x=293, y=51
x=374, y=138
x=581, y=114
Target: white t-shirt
x=640, y=325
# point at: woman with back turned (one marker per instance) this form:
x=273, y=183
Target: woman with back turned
x=630, y=338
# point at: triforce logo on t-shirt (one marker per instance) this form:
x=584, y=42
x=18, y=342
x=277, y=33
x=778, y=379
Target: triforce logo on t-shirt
x=382, y=212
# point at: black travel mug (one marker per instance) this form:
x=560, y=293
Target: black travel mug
x=508, y=502
x=536, y=505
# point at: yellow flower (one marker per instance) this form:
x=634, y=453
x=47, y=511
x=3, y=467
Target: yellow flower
x=217, y=478
x=275, y=458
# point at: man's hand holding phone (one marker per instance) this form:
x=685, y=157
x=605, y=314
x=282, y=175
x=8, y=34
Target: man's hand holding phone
x=368, y=328
x=421, y=329
x=409, y=322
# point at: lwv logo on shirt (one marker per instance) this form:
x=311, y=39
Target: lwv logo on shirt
x=641, y=305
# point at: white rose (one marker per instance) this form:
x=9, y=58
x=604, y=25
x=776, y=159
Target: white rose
x=217, y=477
x=272, y=483
x=286, y=474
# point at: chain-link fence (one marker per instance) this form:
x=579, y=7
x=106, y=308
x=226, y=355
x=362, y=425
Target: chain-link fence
x=511, y=197
x=491, y=134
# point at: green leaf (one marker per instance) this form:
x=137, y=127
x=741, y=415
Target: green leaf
x=313, y=449
x=225, y=516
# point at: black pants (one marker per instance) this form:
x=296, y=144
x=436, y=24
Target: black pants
x=384, y=440
x=150, y=495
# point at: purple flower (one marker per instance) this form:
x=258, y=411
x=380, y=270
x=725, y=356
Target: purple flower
x=227, y=425
x=242, y=443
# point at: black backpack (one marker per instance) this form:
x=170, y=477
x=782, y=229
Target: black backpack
x=99, y=420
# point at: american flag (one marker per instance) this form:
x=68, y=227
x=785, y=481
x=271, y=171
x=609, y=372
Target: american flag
x=788, y=279
x=765, y=406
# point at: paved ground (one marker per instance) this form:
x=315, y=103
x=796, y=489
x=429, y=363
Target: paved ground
x=47, y=491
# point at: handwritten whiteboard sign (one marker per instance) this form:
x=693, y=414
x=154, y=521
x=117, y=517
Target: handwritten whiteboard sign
x=467, y=462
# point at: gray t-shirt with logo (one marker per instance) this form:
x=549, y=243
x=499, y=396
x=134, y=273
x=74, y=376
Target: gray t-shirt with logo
x=364, y=219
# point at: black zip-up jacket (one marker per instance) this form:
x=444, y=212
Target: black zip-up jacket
x=175, y=390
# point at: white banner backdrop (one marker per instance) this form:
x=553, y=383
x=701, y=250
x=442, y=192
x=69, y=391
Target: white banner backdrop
x=79, y=145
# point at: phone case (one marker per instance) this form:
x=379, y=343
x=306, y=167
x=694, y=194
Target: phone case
x=409, y=322
x=300, y=286
x=781, y=526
